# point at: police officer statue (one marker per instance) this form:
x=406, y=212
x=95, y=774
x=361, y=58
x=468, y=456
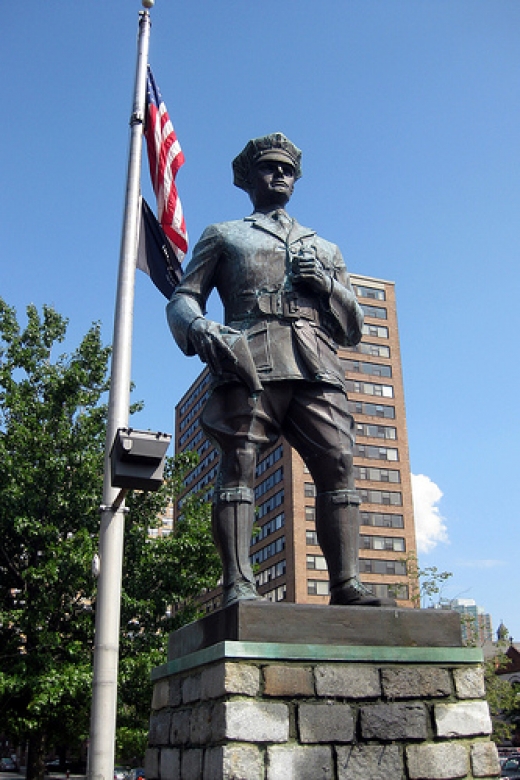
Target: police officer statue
x=288, y=303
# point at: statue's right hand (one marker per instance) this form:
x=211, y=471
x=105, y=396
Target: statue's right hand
x=205, y=336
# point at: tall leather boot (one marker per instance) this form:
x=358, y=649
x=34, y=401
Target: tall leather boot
x=232, y=524
x=337, y=527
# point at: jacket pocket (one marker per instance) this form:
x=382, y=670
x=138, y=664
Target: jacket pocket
x=258, y=340
x=325, y=342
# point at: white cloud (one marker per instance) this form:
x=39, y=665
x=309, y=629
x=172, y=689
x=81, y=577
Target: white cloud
x=430, y=525
x=482, y=563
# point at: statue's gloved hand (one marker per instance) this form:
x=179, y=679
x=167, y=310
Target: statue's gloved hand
x=205, y=336
x=307, y=269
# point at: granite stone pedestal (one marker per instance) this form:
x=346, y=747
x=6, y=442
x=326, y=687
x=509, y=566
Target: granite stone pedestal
x=262, y=691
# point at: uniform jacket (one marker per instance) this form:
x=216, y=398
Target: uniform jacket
x=292, y=331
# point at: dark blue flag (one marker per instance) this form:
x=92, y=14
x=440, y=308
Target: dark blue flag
x=155, y=255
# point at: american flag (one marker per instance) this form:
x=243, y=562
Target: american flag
x=165, y=157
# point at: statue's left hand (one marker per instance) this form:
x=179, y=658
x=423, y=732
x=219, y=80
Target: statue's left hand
x=208, y=343
x=307, y=269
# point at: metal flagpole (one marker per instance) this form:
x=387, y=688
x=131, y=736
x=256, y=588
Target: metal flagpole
x=111, y=539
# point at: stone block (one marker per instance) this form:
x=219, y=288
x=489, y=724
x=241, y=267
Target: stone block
x=191, y=689
x=159, y=728
x=469, y=682
x=352, y=681
x=288, y=681
x=415, y=682
x=233, y=762
x=170, y=764
x=394, y=721
x=294, y=762
x=151, y=763
x=373, y=762
x=161, y=695
x=175, y=692
x=191, y=764
x=443, y=761
x=484, y=760
x=325, y=723
x=463, y=719
x=201, y=724
x=229, y=678
x=180, y=728
x=250, y=721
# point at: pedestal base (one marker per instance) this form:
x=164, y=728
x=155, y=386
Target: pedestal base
x=240, y=709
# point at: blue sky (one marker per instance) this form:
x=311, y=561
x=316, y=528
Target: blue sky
x=408, y=114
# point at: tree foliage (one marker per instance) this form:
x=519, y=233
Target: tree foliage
x=161, y=581
x=503, y=699
x=426, y=584
x=52, y=436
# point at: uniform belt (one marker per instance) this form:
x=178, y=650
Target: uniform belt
x=285, y=305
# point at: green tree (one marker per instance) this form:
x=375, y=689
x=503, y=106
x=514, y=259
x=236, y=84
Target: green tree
x=52, y=432
x=503, y=699
x=425, y=584
x=161, y=581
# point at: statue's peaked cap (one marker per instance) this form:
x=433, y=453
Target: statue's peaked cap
x=275, y=146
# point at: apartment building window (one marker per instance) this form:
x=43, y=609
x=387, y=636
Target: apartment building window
x=376, y=431
x=310, y=513
x=277, y=594
x=310, y=490
x=269, y=483
x=380, y=589
x=373, y=410
x=193, y=443
x=316, y=562
x=191, y=414
x=272, y=573
x=311, y=538
x=374, y=474
x=381, y=520
x=376, y=453
x=210, y=457
x=381, y=497
x=269, y=461
x=272, y=503
x=369, y=292
x=379, y=312
x=376, y=350
x=371, y=369
x=268, y=551
x=191, y=430
x=270, y=527
x=393, y=543
x=318, y=587
x=375, y=331
x=206, y=479
x=203, y=447
x=384, y=591
x=370, y=388
x=375, y=566
x=195, y=394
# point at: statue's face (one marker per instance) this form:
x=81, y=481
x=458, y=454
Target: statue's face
x=272, y=184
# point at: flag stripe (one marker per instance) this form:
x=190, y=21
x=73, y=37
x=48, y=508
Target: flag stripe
x=165, y=157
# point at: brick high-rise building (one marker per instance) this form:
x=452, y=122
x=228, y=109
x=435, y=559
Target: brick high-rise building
x=288, y=561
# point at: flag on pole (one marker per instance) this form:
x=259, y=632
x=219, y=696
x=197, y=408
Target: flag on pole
x=165, y=157
x=155, y=254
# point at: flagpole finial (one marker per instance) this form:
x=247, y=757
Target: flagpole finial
x=147, y=3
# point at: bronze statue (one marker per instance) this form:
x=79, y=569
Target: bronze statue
x=287, y=303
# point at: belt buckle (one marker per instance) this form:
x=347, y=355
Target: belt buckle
x=277, y=304
x=291, y=304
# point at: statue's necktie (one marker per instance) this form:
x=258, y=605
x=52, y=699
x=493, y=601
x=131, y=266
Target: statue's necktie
x=283, y=220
